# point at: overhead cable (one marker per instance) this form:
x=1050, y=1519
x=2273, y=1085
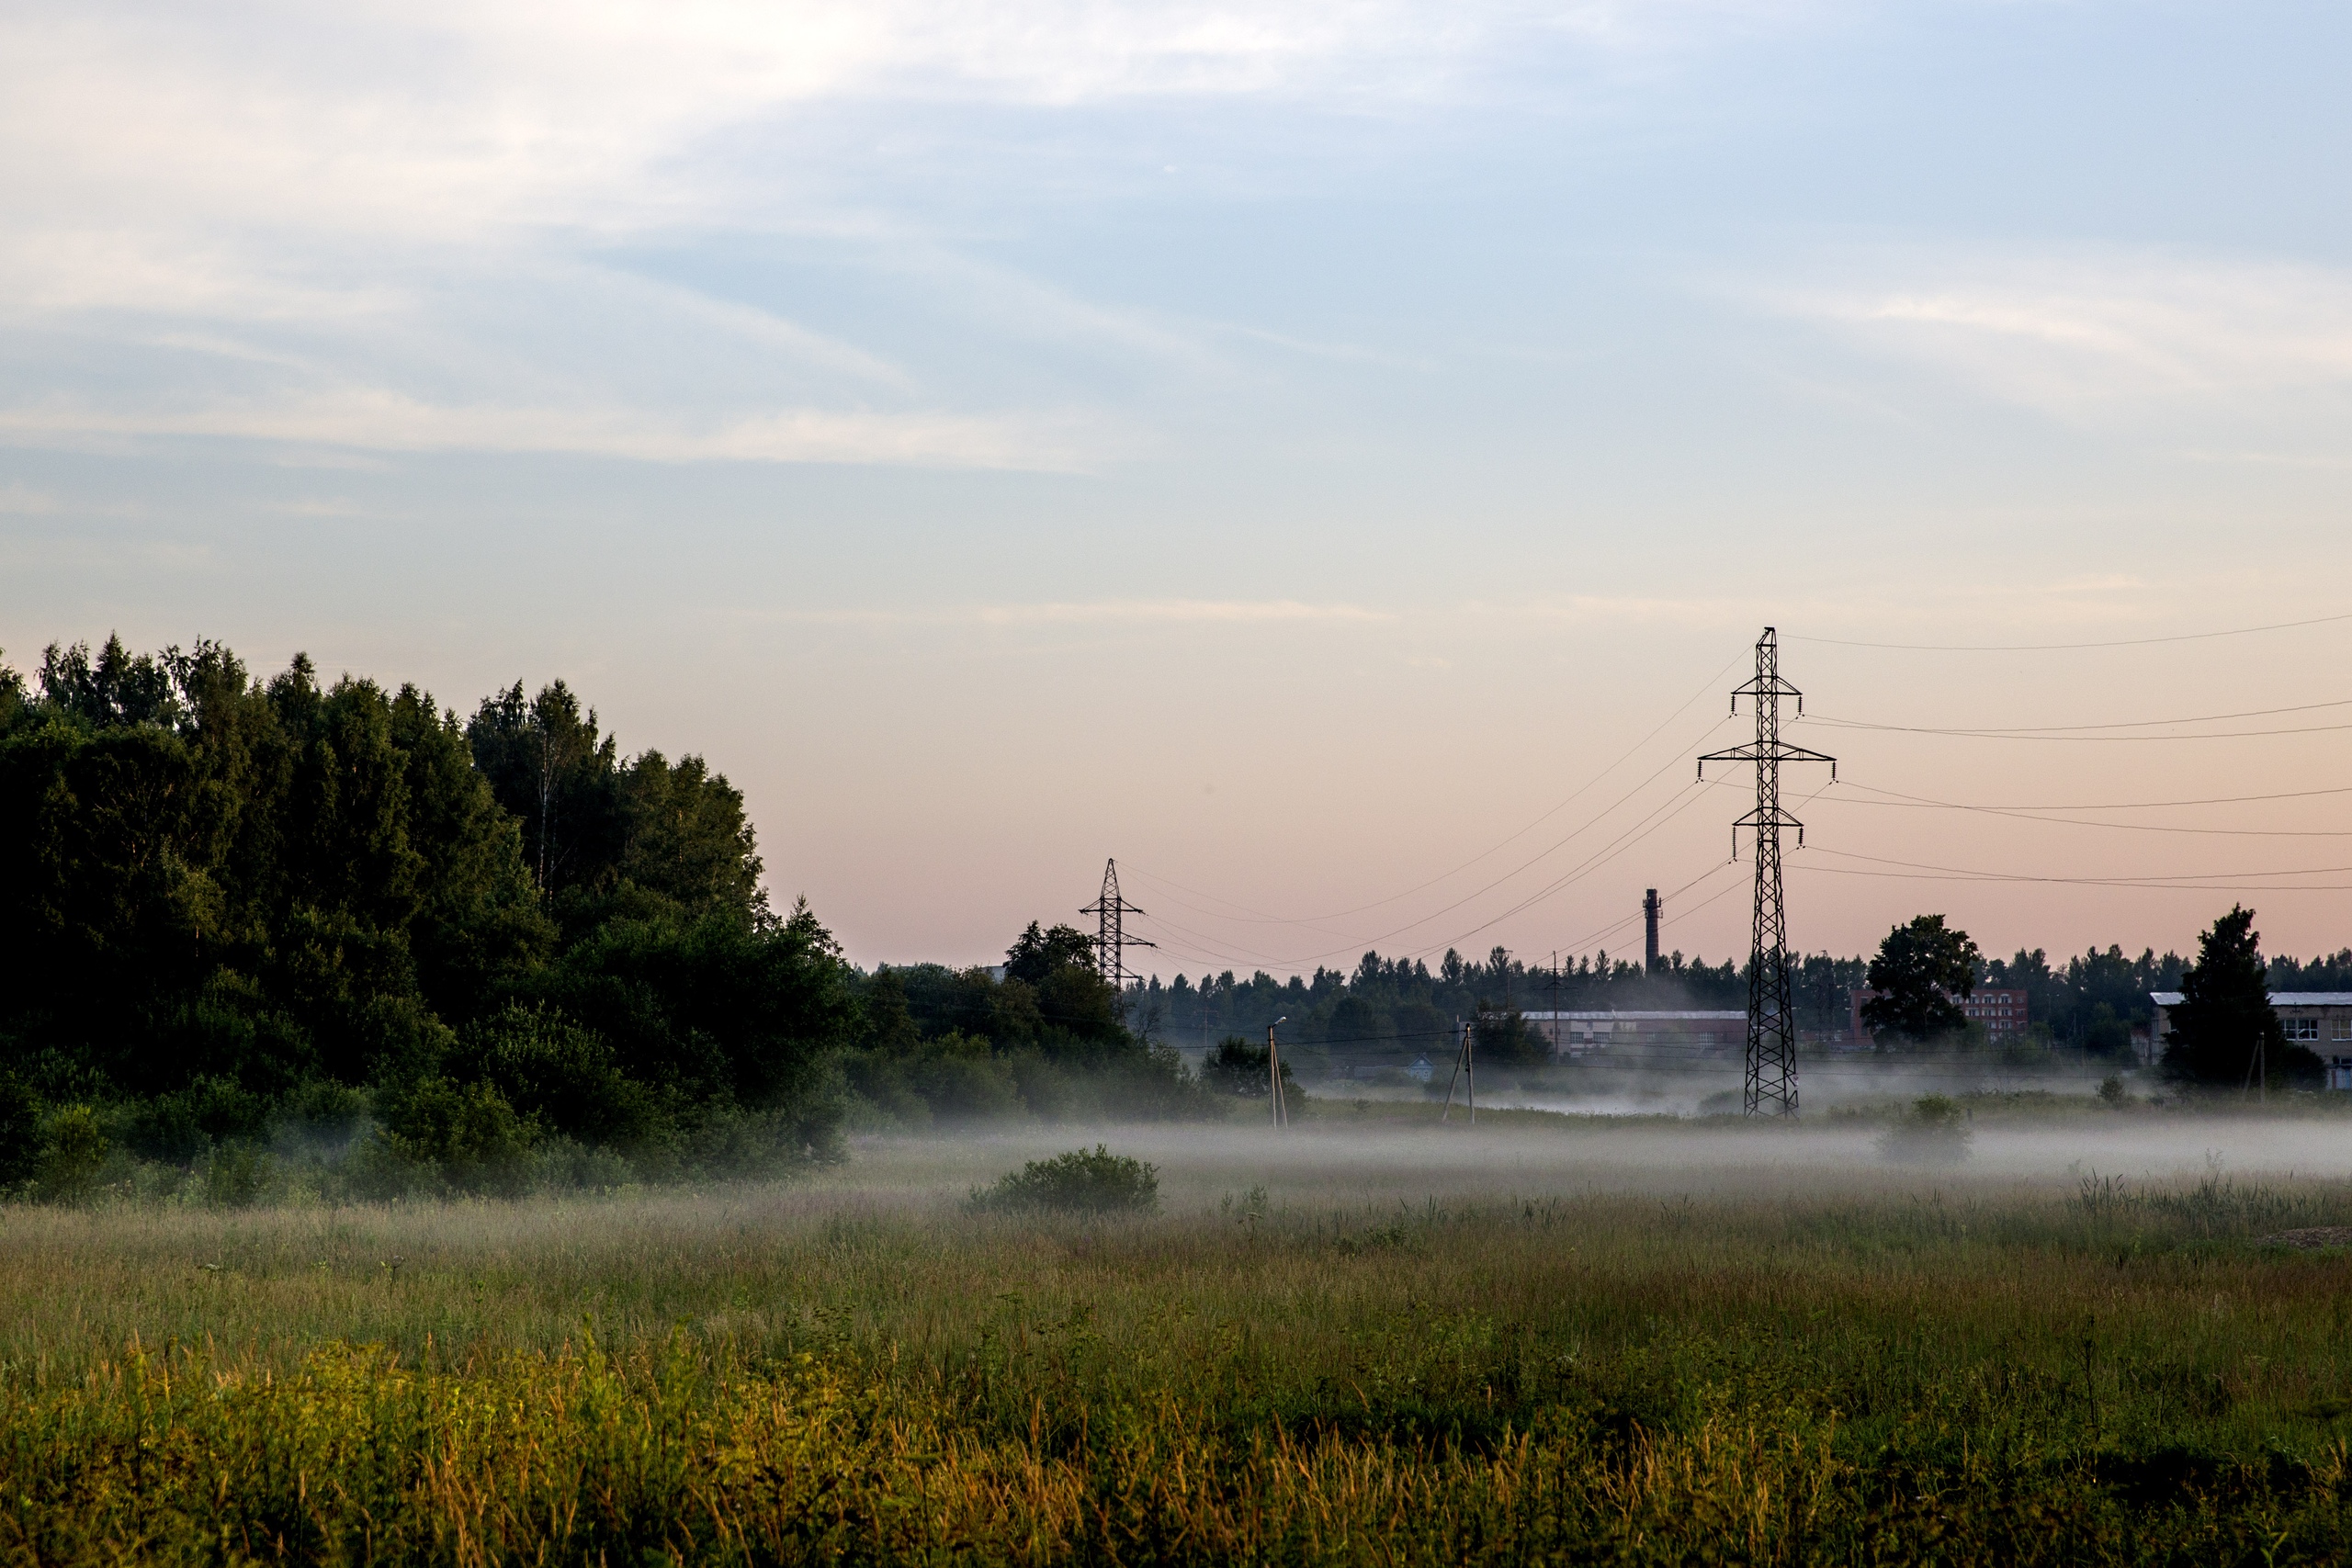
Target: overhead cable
x=2062, y=646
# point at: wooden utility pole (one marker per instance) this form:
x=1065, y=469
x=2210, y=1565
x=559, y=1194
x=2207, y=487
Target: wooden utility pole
x=1274, y=1075
x=1465, y=1073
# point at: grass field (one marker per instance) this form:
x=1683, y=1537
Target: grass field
x=1364, y=1341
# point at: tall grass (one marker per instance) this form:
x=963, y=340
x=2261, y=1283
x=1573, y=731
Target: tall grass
x=2103, y=1373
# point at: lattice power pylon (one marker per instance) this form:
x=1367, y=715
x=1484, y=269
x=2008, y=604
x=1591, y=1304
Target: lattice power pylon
x=1772, y=997
x=1112, y=940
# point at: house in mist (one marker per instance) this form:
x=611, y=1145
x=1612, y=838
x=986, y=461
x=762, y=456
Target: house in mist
x=1620, y=1031
x=2320, y=1021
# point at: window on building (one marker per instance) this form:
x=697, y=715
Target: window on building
x=2301, y=1028
x=2343, y=1026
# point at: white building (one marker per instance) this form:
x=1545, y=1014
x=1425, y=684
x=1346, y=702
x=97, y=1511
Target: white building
x=2320, y=1021
x=1571, y=1034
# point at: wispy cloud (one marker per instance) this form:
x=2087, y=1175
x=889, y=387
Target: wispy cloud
x=373, y=420
x=2093, y=337
x=1101, y=612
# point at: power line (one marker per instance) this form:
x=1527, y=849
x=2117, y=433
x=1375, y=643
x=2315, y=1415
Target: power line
x=2088, y=881
x=1666, y=811
x=1589, y=863
x=1260, y=916
x=1919, y=802
x=2119, y=723
x=1615, y=926
x=2171, y=879
x=2061, y=646
x=2117, y=805
x=2045, y=734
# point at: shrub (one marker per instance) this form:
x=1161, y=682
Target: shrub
x=1076, y=1182
x=236, y=1176
x=77, y=1148
x=1935, y=1130
x=560, y=1077
x=959, y=1080
x=465, y=1132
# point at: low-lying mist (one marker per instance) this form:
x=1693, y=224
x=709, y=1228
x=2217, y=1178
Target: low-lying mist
x=1346, y=1158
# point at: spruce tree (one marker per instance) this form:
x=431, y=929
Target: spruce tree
x=2225, y=1016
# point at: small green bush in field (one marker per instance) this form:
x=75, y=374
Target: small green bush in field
x=77, y=1147
x=1935, y=1130
x=1076, y=1182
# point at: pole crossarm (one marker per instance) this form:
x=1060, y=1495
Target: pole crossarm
x=1780, y=751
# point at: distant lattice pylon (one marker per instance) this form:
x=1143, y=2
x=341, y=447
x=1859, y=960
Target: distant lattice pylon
x=1112, y=940
x=1771, y=1075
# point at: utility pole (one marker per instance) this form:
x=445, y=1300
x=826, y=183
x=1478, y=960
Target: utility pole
x=1111, y=942
x=1466, y=1072
x=1275, y=1072
x=1555, y=1005
x=1771, y=1074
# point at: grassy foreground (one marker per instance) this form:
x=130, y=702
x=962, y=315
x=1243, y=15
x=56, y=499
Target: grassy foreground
x=1761, y=1368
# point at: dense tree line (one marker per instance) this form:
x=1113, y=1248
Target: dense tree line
x=1399, y=1007
x=1393, y=1010
x=285, y=914
x=238, y=907
x=1044, y=1037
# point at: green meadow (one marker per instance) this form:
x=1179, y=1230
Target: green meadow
x=1368, y=1341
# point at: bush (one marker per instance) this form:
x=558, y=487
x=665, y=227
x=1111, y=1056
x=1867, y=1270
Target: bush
x=465, y=1132
x=560, y=1077
x=1076, y=1182
x=77, y=1148
x=959, y=1080
x=236, y=1176
x=1935, y=1130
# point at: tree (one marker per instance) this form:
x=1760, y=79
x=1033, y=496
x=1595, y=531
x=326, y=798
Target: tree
x=1237, y=1066
x=1036, y=954
x=1504, y=1039
x=2225, y=1018
x=608, y=838
x=1922, y=973
x=552, y=770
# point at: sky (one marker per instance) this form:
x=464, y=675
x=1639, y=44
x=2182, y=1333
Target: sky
x=1336, y=459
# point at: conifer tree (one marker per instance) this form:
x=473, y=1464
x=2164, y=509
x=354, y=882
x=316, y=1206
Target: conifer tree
x=2225, y=1018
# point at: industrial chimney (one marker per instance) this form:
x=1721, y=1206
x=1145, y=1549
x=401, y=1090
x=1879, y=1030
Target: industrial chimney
x=1650, y=908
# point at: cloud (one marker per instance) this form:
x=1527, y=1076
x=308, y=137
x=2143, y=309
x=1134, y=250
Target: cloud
x=2093, y=338
x=436, y=118
x=383, y=421
x=441, y=211
x=1104, y=611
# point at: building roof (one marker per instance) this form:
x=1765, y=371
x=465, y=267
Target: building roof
x=1682, y=1016
x=2277, y=999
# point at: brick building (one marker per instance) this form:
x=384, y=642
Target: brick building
x=2002, y=1012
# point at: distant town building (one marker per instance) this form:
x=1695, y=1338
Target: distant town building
x=2320, y=1021
x=2001, y=1013
x=1571, y=1034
